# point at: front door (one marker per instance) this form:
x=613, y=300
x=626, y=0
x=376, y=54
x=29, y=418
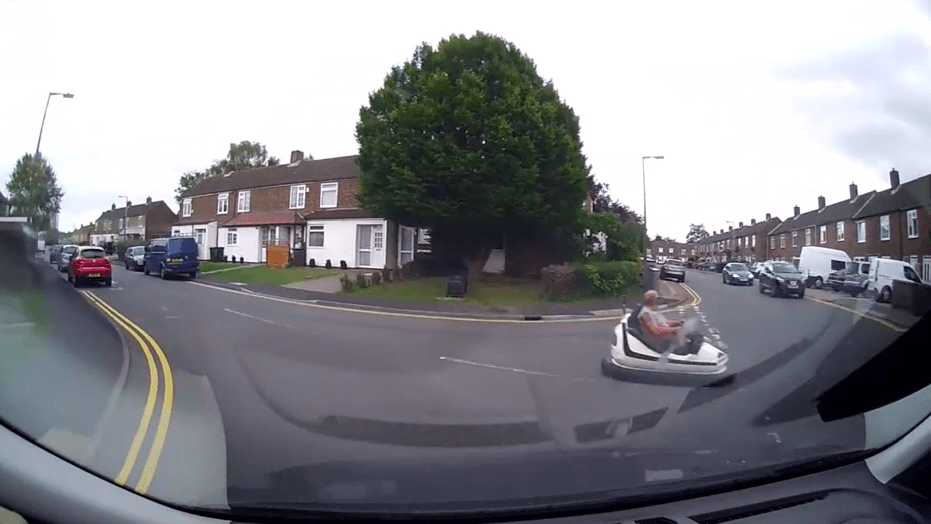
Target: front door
x=363, y=246
x=201, y=236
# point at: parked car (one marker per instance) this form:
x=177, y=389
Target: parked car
x=65, y=255
x=856, y=278
x=672, y=269
x=817, y=263
x=171, y=257
x=90, y=264
x=883, y=272
x=54, y=253
x=737, y=273
x=134, y=258
x=781, y=279
x=755, y=268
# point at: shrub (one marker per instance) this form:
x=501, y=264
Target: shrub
x=376, y=278
x=396, y=274
x=328, y=264
x=589, y=279
x=558, y=279
x=361, y=281
x=386, y=275
x=346, y=283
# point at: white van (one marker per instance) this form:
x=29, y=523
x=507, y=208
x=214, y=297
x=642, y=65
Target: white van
x=816, y=263
x=885, y=271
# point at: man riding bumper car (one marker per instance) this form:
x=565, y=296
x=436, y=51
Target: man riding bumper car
x=651, y=349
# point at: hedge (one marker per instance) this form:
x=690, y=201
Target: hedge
x=590, y=279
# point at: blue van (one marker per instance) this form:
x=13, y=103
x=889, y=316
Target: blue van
x=171, y=257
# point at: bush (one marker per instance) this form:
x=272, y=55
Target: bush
x=361, y=281
x=376, y=278
x=396, y=274
x=346, y=283
x=386, y=275
x=558, y=280
x=590, y=279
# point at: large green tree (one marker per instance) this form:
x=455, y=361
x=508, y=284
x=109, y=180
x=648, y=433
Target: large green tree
x=697, y=233
x=243, y=155
x=34, y=191
x=469, y=141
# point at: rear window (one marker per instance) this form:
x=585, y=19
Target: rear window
x=672, y=262
x=70, y=250
x=93, y=253
x=837, y=265
x=182, y=245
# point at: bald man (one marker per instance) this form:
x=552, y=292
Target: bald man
x=660, y=332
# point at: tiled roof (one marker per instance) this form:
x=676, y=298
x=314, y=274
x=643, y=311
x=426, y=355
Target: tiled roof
x=764, y=226
x=134, y=210
x=339, y=168
x=353, y=212
x=265, y=219
x=916, y=193
x=842, y=210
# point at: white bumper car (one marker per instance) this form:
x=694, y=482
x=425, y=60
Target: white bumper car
x=632, y=359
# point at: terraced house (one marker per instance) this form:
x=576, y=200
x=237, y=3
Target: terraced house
x=892, y=223
x=309, y=205
x=134, y=222
x=746, y=242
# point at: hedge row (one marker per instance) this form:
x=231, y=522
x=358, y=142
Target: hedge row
x=590, y=279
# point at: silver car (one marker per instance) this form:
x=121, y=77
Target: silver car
x=134, y=258
x=65, y=257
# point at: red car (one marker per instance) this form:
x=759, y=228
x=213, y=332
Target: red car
x=90, y=264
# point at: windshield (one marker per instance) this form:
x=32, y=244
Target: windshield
x=387, y=255
x=783, y=267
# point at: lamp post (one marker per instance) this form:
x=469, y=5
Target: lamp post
x=643, y=168
x=49, y=99
x=125, y=214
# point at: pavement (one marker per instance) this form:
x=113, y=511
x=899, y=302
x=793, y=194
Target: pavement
x=281, y=398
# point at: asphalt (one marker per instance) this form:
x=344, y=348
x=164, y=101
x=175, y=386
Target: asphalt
x=264, y=385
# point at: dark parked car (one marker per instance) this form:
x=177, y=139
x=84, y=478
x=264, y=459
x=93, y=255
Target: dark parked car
x=54, y=252
x=782, y=279
x=672, y=269
x=737, y=273
x=171, y=257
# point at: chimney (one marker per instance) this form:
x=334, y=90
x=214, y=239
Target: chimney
x=797, y=211
x=112, y=207
x=821, y=202
x=768, y=217
x=894, y=178
x=752, y=221
x=730, y=228
x=148, y=200
x=297, y=155
x=741, y=224
x=853, y=191
x=129, y=204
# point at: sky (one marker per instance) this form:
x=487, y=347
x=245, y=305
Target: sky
x=756, y=106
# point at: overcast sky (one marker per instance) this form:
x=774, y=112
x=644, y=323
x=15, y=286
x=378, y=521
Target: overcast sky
x=757, y=106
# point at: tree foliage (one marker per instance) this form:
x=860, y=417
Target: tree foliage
x=602, y=201
x=469, y=141
x=619, y=240
x=243, y=155
x=34, y=191
x=660, y=238
x=697, y=233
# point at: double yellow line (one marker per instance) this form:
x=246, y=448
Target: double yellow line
x=696, y=298
x=148, y=346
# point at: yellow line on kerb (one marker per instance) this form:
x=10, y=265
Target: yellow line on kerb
x=696, y=298
x=161, y=430
x=886, y=323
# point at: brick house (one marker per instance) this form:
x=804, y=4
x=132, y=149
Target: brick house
x=666, y=249
x=307, y=202
x=896, y=223
x=142, y=222
x=746, y=242
x=828, y=226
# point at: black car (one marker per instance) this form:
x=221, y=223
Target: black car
x=737, y=273
x=54, y=252
x=782, y=279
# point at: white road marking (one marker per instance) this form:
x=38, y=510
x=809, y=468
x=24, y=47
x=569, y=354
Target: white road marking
x=775, y=436
x=18, y=324
x=249, y=316
x=176, y=316
x=515, y=370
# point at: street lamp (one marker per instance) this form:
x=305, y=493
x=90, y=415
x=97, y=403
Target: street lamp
x=643, y=168
x=125, y=214
x=50, y=95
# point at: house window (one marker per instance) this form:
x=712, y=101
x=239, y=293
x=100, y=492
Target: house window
x=807, y=236
x=231, y=237
x=884, y=227
x=840, y=231
x=914, y=262
x=223, y=203
x=911, y=218
x=186, y=207
x=269, y=235
x=121, y=224
x=861, y=231
x=795, y=239
x=782, y=240
x=298, y=193
x=753, y=241
x=772, y=242
x=659, y=249
x=823, y=234
x=328, y=194
x=378, y=238
x=406, y=250
x=424, y=236
x=243, y=200
x=315, y=236
x=926, y=268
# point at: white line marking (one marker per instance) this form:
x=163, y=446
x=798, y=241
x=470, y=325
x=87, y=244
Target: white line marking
x=18, y=324
x=176, y=316
x=409, y=315
x=516, y=370
x=248, y=316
